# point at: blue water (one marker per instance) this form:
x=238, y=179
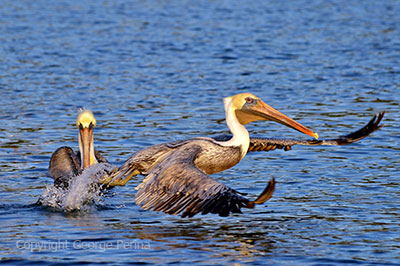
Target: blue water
x=155, y=71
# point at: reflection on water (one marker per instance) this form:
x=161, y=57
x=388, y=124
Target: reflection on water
x=156, y=72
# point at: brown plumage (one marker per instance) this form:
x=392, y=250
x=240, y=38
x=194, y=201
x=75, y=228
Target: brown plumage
x=190, y=190
x=177, y=180
x=176, y=173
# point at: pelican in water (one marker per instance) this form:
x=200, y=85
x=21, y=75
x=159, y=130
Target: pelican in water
x=176, y=173
x=65, y=164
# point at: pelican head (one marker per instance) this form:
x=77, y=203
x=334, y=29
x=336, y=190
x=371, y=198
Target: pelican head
x=86, y=122
x=249, y=108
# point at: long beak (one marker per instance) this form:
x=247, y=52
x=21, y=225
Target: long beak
x=86, y=135
x=266, y=112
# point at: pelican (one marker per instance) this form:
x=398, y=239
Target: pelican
x=176, y=173
x=65, y=164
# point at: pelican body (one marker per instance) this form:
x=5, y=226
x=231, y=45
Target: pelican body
x=176, y=173
x=65, y=164
x=217, y=155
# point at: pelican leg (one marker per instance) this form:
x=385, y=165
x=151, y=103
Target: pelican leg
x=107, y=178
x=114, y=179
x=120, y=181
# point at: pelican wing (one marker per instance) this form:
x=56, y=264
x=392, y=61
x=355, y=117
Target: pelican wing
x=269, y=144
x=176, y=186
x=64, y=164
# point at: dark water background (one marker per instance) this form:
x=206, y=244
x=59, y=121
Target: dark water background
x=154, y=71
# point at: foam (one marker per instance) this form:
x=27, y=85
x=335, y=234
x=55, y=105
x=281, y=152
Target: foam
x=82, y=193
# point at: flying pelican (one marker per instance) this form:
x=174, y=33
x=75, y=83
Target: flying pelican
x=176, y=173
x=65, y=164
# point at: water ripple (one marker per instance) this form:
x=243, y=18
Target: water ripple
x=157, y=71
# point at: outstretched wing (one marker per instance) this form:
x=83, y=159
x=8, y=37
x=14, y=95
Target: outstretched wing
x=176, y=186
x=269, y=144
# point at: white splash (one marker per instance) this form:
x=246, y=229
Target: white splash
x=82, y=193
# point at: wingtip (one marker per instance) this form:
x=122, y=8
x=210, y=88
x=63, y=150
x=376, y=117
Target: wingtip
x=380, y=117
x=376, y=120
x=369, y=128
x=265, y=195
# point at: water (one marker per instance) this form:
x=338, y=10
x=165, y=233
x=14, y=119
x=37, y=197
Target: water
x=83, y=191
x=157, y=71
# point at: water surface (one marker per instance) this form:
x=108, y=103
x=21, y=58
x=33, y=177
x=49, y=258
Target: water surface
x=157, y=71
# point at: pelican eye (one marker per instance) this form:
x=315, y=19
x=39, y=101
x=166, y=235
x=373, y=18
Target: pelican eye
x=250, y=100
x=80, y=126
x=91, y=125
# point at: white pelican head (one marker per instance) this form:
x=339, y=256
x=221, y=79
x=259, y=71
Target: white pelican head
x=249, y=108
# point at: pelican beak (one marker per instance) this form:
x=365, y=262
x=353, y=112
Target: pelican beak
x=86, y=136
x=259, y=110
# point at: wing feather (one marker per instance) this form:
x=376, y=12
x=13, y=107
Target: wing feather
x=270, y=144
x=176, y=186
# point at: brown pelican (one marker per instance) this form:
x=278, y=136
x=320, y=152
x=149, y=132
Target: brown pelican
x=176, y=173
x=65, y=164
